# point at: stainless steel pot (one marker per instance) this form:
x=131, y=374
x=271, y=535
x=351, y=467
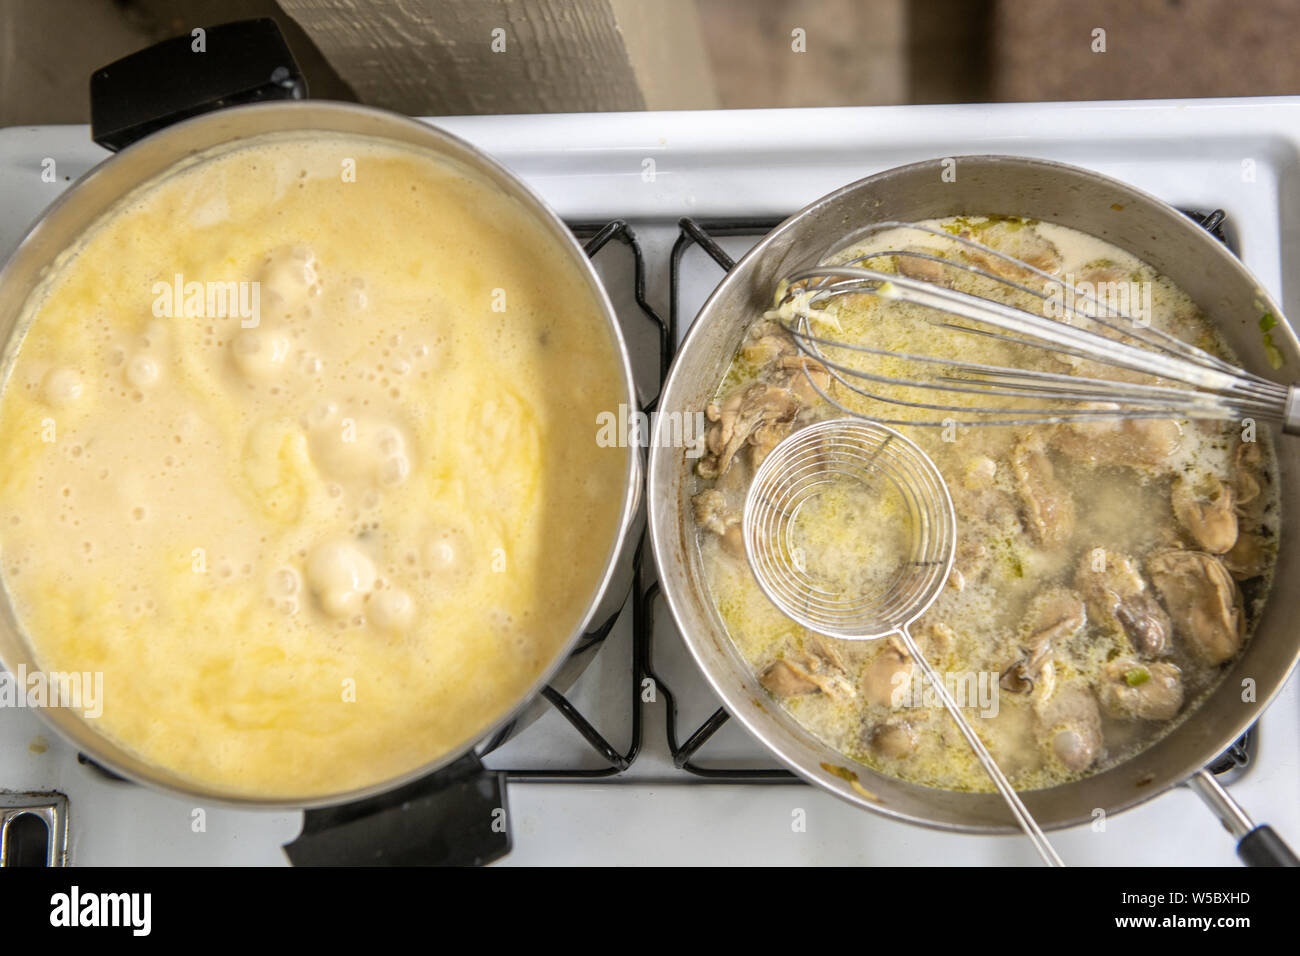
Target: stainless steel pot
x=1052, y=192
x=97, y=192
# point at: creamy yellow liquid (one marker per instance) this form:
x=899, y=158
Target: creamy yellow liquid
x=318, y=553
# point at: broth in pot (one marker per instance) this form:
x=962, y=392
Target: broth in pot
x=287, y=440
x=1106, y=573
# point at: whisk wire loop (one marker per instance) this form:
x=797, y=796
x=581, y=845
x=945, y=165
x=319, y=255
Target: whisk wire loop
x=805, y=467
x=1175, y=379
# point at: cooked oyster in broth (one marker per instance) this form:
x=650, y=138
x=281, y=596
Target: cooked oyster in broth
x=1106, y=573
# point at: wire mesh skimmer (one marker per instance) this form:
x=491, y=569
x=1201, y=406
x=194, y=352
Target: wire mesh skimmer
x=1122, y=366
x=869, y=484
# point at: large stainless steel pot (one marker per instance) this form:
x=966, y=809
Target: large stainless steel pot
x=1052, y=192
x=100, y=189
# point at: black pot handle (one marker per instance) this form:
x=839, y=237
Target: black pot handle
x=242, y=62
x=1263, y=847
x=1256, y=845
x=454, y=817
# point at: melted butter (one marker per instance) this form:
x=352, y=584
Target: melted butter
x=317, y=553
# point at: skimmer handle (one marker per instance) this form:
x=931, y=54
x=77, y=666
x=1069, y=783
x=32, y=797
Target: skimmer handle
x=1018, y=809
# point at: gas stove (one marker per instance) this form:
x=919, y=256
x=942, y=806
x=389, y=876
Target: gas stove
x=636, y=763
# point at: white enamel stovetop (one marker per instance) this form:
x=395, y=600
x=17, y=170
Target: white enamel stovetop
x=1239, y=155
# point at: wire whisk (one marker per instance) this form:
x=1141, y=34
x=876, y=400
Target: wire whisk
x=1120, y=366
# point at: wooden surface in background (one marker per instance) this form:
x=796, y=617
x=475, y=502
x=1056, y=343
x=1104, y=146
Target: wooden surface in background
x=45, y=67
x=662, y=54
x=437, y=57
x=855, y=51
x=1154, y=48
x=666, y=48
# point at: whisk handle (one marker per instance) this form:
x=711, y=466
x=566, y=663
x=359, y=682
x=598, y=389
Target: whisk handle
x=1291, y=413
x=1257, y=844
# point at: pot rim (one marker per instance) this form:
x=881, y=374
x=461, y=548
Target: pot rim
x=296, y=116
